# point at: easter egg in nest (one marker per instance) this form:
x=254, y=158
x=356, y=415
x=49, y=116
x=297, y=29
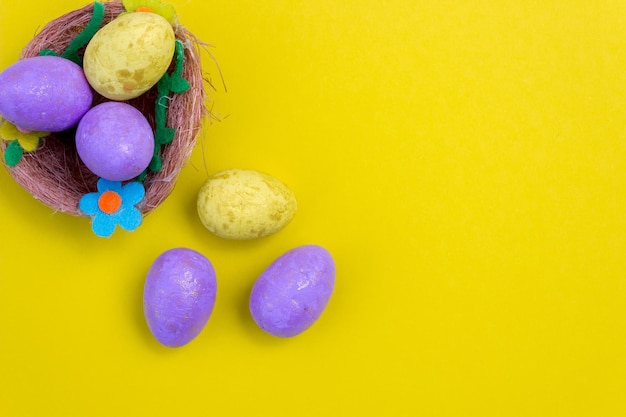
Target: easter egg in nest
x=129, y=55
x=174, y=107
x=115, y=141
x=44, y=93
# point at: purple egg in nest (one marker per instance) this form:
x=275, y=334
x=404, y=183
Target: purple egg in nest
x=44, y=93
x=179, y=295
x=115, y=141
x=291, y=294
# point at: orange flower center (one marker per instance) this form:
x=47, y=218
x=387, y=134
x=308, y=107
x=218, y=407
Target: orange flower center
x=109, y=202
x=144, y=9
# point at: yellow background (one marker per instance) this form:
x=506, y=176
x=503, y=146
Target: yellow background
x=464, y=162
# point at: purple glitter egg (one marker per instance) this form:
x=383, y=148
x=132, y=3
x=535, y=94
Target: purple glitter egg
x=179, y=295
x=291, y=294
x=44, y=93
x=115, y=141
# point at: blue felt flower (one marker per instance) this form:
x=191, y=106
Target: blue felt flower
x=113, y=204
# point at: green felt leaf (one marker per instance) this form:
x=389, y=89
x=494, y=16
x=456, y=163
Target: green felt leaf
x=13, y=153
x=164, y=135
x=156, y=164
x=142, y=177
x=179, y=84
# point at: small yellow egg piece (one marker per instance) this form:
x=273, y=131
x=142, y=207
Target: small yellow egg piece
x=245, y=204
x=129, y=55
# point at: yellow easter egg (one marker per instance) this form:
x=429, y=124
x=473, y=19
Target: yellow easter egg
x=129, y=55
x=244, y=204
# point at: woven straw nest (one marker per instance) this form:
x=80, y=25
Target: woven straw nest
x=55, y=175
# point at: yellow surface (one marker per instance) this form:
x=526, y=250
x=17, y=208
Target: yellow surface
x=464, y=162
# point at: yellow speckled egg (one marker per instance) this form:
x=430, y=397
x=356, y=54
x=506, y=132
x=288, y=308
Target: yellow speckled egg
x=245, y=204
x=129, y=55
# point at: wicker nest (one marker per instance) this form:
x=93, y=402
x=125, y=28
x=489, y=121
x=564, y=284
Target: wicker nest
x=54, y=173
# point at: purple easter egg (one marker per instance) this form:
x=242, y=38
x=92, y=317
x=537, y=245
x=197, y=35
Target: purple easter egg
x=44, y=93
x=179, y=295
x=291, y=294
x=115, y=141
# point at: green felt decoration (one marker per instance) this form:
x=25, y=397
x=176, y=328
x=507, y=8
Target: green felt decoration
x=156, y=164
x=174, y=82
x=160, y=111
x=179, y=85
x=85, y=36
x=165, y=135
x=13, y=153
x=179, y=55
x=169, y=83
